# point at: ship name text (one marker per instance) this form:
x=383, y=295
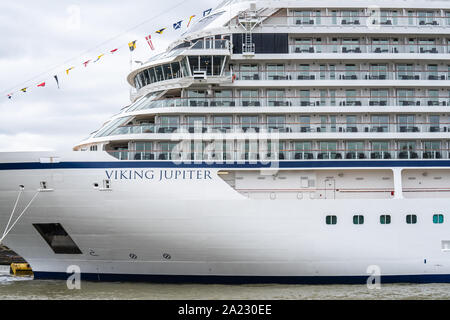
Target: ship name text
x=159, y=175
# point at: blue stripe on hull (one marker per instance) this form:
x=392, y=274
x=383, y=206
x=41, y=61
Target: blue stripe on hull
x=203, y=165
x=179, y=279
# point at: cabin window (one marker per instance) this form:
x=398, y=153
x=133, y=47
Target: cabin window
x=438, y=219
x=385, y=219
x=358, y=219
x=411, y=219
x=331, y=220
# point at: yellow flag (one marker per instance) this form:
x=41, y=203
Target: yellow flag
x=68, y=70
x=190, y=19
x=132, y=45
x=99, y=57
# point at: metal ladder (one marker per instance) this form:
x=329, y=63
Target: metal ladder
x=249, y=20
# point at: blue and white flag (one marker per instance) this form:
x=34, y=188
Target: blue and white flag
x=177, y=25
x=207, y=12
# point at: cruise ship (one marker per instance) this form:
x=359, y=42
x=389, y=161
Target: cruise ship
x=273, y=142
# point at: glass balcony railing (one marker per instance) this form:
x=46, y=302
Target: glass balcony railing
x=281, y=155
x=207, y=44
x=311, y=101
x=370, y=48
x=313, y=74
x=311, y=127
x=375, y=19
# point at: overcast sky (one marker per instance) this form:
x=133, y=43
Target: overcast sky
x=37, y=36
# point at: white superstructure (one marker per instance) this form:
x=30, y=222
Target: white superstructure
x=275, y=141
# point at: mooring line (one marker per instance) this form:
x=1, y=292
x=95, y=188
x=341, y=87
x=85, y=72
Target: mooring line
x=18, y=218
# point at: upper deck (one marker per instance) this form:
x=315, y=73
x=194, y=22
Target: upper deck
x=329, y=77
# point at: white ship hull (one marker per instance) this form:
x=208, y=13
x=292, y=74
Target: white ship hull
x=202, y=230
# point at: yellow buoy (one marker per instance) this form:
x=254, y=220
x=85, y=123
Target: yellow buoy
x=21, y=269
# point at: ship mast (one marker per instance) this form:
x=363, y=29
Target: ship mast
x=249, y=20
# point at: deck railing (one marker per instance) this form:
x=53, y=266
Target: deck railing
x=284, y=154
x=375, y=19
x=315, y=74
x=352, y=100
x=297, y=127
x=359, y=48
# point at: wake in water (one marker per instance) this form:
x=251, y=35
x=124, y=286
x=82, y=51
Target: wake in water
x=10, y=278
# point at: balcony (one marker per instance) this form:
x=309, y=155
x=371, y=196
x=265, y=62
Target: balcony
x=293, y=102
x=408, y=155
x=282, y=155
x=348, y=75
x=378, y=155
x=297, y=127
x=384, y=19
x=370, y=48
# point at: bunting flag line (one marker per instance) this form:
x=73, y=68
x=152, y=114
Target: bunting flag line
x=99, y=57
x=149, y=41
x=190, y=19
x=160, y=31
x=57, y=81
x=68, y=70
x=207, y=12
x=132, y=45
x=177, y=25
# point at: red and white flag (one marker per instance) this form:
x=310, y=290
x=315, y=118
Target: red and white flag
x=149, y=41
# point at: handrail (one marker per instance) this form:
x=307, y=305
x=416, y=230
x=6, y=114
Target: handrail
x=420, y=149
x=283, y=127
x=341, y=71
x=300, y=101
x=188, y=124
x=283, y=154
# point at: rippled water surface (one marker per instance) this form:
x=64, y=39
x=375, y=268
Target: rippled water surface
x=27, y=288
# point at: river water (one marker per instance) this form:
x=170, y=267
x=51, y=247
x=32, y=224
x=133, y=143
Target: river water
x=26, y=288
